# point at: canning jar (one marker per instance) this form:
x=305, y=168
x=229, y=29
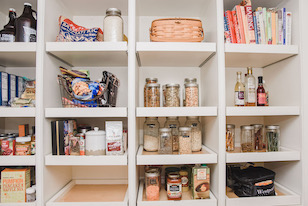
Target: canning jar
x=184, y=180
x=165, y=141
x=96, y=142
x=172, y=95
x=185, y=143
x=174, y=124
x=157, y=168
x=174, y=186
x=191, y=95
x=273, y=138
x=152, y=185
x=113, y=25
x=170, y=170
x=196, y=136
x=247, y=138
x=230, y=137
x=23, y=146
x=260, y=141
x=148, y=81
x=190, y=80
x=151, y=134
x=152, y=96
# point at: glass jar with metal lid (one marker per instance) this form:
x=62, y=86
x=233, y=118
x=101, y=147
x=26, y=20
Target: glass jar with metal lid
x=152, y=95
x=185, y=143
x=172, y=95
x=165, y=141
x=273, y=138
x=196, y=136
x=260, y=141
x=152, y=184
x=174, y=186
x=23, y=146
x=174, y=124
x=151, y=134
x=247, y=138
x=230, y=137
x=191, y=95
x=113, y=25
x=149, y=81
x=190, y=80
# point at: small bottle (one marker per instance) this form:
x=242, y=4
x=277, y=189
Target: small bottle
x=7, y=34
x=239, y=91
x=267, y=93
x=30, y=192
x=250, y=88
x=261, y=94
x=33, y=150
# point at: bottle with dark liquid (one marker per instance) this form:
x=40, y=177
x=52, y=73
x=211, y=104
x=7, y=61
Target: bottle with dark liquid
x=261, y=95
x=7, y=34
x=25, y=25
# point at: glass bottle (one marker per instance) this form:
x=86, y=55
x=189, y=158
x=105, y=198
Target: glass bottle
x=25, y=25
x=152, y=96
x=250, y=88
x=266, y=93
x=230, y=137
x=261, y=94
x=196, y=135
x=172, y=95
x=185, y=143
x=152, y=185
x=260, y=142
x=7, y=34
x=165, y=141
x=247, y=138
x=151, y=134
x=174, y=124
x=273, y=138
x=113, y=25
x=239, y=91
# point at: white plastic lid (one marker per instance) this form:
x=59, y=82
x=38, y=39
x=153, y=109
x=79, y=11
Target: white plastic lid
x=27, y=4
x=30, y=190
x=96, y=131
x=23, y=139
x=12, y=9
x=34, y=187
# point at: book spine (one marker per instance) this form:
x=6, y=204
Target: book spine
x=245, y=23
x=262, y=29
x=240, y=24
x=280, y=27
x=265, y=24
x=54, y=138
x=273, y=20
x=236, y=27
x=269, y=27
x=288, y=27
x=255, y=27
x=260, y=37
x=284, y=25
x=231, y=26
x=250, y=24
x=277, y=29
x=227, y=32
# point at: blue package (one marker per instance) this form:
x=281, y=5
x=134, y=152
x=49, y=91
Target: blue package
x=4, y=89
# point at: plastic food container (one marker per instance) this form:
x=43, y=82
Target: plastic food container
x=96, y=142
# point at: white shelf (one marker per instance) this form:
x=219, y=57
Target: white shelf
x=163, y=200
x=284, y=197
x=153, y=158
x=262, y=111
x=243, y=55
x=17, y=54
x=86, y=112
x=283, y=155
x=17, y=112
x=104, y=160
x=89, y=53
x=19, y=204
x=176, y=111
x=175, y=54
x=28, y=160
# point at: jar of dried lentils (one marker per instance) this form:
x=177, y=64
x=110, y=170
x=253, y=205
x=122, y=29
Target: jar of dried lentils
x=152, y=185
x=185, y=145
x=191, y=95
x=172, y=95
x=174, y=186
x=152, y=95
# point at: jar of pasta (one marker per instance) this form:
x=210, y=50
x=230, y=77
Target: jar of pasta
x=174, y=124
x=172, y=95
x=151, y=134
x=152, y=95
x=165, y=141
x=185, y=143
x=152, y=184
x=230, y=137
x=196, y=136
x=191, y=95
x=23, y=146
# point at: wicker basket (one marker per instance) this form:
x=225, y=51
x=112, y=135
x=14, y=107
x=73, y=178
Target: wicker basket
x=176, y=30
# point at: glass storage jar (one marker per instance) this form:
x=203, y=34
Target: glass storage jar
x=148, y=81
x=150, y=134
x=260, y=141
x=185, y=143
x=247, y=138
x=170, y=170
x=196, y=136
x=191, y=95
x=230, y=137
x=174, y=124
x=165, y=141
x=152, y=184
x=113, y=25
x=190, y=80
x=152, y=96
x=23, y=146
x=174, y=186
x=273, y=138
x=172, y=95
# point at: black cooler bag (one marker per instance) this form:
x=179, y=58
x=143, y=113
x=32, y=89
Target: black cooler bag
x=253, y=181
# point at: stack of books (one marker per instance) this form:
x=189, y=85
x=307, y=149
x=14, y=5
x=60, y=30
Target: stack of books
x=262, y=26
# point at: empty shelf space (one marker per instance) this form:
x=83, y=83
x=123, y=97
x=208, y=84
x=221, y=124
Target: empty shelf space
x=206, y=155
x=263, y=111
x=169, y=54
x=176, y=111
x=89, y=53
x=17, y=112
x=17, y=160
x=243, y=55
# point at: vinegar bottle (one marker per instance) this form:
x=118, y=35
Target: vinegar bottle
x=250, y=89
x=25, y=25
x=261, y=95
x=239, y=91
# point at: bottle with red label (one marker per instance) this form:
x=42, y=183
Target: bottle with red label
x=7, y=34
x=261, y=94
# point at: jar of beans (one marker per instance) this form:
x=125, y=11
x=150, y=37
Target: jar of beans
x=191, y=95
x=247, y=138
x=174, y=124
x=152, y=178
x=152, y=95
x=260, y=141
x=172, y=95
x=165, y=141
x=185, y=143
x=196, y=136
x=151, y=134
x=230, y=137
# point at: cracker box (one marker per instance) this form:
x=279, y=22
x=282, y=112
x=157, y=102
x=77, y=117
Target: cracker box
x=14, y=183
x=201, y=182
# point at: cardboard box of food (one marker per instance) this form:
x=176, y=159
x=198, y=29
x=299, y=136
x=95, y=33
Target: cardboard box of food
x=201, y=182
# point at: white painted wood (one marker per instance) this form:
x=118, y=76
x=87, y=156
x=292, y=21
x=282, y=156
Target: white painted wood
x=175, y=111
x=17, y=54
x=19, y=204
x=208, y=157
x=17, y=160
x=263, y=111
x=86, y=112
x=17, y=112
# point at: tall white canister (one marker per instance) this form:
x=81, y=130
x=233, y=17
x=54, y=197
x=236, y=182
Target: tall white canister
x=113, y=25
x=96, y=142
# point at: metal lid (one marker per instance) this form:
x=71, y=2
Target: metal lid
x=172, y=85
x=113, y=12
x=153, y=85
x=23, y=139
x=247, y=127
x=172, y=118
x=95, y=132
x=257, y=125
x=151, y=79
x=185, y=129
x=191, y=85
x=272, y=126
x=152, y=173
x=190, y=80
x=165, y=130
x=174, y=175
x=230, y=126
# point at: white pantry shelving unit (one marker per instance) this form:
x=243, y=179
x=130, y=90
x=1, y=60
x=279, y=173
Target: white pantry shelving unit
x=17, y=160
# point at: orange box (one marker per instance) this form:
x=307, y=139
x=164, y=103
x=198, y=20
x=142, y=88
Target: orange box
x=23, y=130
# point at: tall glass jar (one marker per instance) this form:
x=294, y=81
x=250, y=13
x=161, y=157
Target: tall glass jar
x=172, y=95
x=196, y=136
x=185, y=143
x=273, y=138
x=148, y=81
x=260, y=141
x=174, y=124
x=152, y=96
x=247, y=138
x=113, y=25
x=187, y=80
x=191, y=95
x=152, y=185
x=230, y=137
x=165, y=141
x=151, y=134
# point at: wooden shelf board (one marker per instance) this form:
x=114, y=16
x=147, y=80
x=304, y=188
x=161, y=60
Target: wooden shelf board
x=18, y=54
x=263, y=111
x=176, y=111
x=17, y=112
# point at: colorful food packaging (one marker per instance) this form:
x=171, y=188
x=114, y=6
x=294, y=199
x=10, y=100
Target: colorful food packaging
x=201, y=182
x=114, y=138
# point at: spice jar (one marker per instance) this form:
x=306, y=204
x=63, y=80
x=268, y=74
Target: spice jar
x=23, y=146
x=113, y=25
x=151, y=134
x=152, y=185
x=184, y=180
x=230, y=137
x=273, y=138
x=185, y=143
x=174, y=124
x=96, y=142
x=191, y=95
x=172, y=95
x=170, y=170
x=260, y=142
x=196, y=136
x=247, y=138
x=152, y=96
x=165, y=141
x=174, y=186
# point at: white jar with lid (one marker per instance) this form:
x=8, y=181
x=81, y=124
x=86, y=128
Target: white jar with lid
x=113, y=25
x=30, y=192
x=96, y=142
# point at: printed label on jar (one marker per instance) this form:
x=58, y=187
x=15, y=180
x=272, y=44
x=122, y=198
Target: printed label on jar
x=153, y=181
x=174, y=190
x=194, y=124
x=201, y=174
x=185, y=136
x=172, y=126
x=239, y=98
x=22, y=150
x=184, y=180
x=261, y=98
x=151, y=125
